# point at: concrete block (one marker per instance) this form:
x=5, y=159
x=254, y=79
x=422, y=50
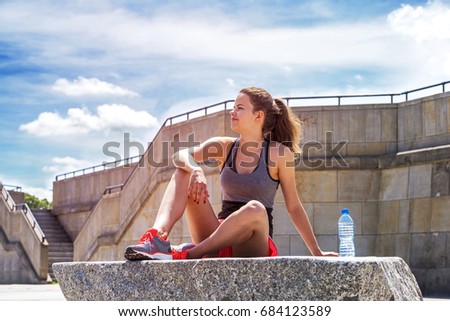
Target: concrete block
x=440, y=217
x=317, y=186
x=394, y=184
x=282, y=243
x=298, y=246
x=448, y=114
x=439, y=281
x=357, y=120
x=373, y=126
x=340, y=125
x=420, y=218
x=388, y=217
x=282, y=223
x=365, y=245
x=389, y=125
x=369, y=218
x=403, y=216
x=430, y=117
x=440, y=181
x=358, y=186
x=260, y=279
x=441, y=116
x=419, y=181
x=429, y=250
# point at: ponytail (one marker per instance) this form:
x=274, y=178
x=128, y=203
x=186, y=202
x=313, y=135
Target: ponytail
x=280, y=123
x=287, y=127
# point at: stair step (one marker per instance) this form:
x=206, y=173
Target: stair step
x=60, y=247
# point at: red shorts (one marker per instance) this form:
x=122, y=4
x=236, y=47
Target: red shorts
x=228, y=251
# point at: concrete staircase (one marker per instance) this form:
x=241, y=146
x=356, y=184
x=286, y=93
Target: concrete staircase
x=60, y=247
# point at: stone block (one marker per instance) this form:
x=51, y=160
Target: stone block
x=441, y=114
x=340, y=125
x=297, y=246
x=317, y=186
x=430, y=117
x=369, y=218
x=394, y=184
x=388, y=125
x=403, y=216
x=420, y=181
x=388, y=217
x=365, y=245
x=259, y=279
x=429, y=250
x=282, y=243
x=373, y=126
x=448, y=114
x=420, y=219
x=440, y=217
x=357, y=120
x=358, y=186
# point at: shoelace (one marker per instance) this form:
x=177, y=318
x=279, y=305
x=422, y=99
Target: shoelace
x=148, y=235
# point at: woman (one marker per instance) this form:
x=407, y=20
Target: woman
x=252, y=167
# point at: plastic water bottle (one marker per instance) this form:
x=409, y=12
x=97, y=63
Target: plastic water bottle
x=346, y=234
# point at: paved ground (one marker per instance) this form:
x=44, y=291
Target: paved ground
x=31, y=292
x=52, y=292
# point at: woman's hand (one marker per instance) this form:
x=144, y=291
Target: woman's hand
x=328, y=253
x=198, y=189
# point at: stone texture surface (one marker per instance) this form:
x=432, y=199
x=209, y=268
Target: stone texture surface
x=260, y=279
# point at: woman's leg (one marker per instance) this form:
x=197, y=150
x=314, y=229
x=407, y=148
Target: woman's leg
x=246, y=230
x=201, y=218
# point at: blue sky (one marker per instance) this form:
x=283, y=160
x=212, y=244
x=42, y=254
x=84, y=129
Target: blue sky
x=75, y=75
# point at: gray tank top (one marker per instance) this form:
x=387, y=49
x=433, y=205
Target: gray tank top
x=258, y=185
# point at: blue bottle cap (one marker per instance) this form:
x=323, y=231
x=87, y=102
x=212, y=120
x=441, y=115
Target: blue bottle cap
x=345, y=211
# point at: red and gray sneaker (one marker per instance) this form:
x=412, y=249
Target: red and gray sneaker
x=179, y=252
x=150, y=247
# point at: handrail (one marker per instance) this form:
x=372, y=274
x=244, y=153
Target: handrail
x=102, y=167
x=339, y=97
x=14, y=187
x=31, y=220
x=108, y=189
x=26, y=212
x=188, y=114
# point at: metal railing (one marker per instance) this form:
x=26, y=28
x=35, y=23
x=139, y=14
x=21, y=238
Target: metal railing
x=13, y=187
x=26, y=212
x=97, y=168
x=223, y=106
x=109, y=189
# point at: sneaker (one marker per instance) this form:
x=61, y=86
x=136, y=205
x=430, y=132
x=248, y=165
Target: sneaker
x=179, y=252
x=150, y=247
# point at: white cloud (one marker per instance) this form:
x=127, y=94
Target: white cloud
x=81, y=121
x=422, y=22
x=65, y=164
x=423, y=36
x=90, y=87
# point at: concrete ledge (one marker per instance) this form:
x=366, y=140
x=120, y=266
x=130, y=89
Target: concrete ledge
x=261, y=279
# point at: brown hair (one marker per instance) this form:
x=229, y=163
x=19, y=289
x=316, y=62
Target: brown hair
x=280, y=123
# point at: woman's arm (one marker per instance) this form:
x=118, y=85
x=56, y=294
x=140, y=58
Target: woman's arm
x=189, y=159
x=297, y=213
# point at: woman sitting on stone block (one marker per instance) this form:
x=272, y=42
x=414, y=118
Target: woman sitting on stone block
x=252, y=167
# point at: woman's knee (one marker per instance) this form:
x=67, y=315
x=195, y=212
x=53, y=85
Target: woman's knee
x=256, y=208
x=256, y=205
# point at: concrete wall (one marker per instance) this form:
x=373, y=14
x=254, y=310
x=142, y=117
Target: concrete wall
x=397, y=194
x=23, y=256
x=75, y=198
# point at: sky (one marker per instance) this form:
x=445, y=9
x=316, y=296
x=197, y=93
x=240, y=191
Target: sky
x=76, y=76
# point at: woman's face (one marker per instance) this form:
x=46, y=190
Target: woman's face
x=242, y=116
